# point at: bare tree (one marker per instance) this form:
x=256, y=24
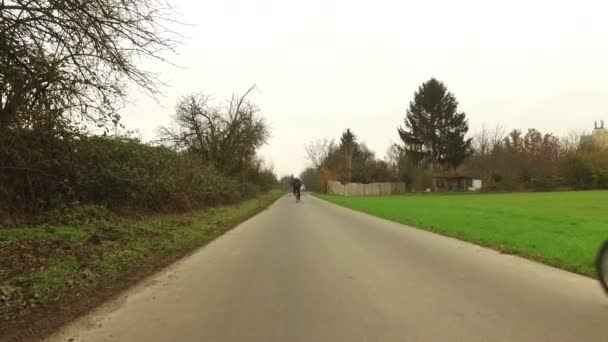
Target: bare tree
x=195, y=125
x=572, y=142
x=481, y=141
x=269, y=165
x=318, y=150
x=496, y=135
x=486, y=140
x=226, y=137
x=396, y=159
x=393, y=154
x=76, y=56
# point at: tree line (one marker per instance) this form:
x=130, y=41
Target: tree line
x=537, y=161
x=435, y=140
x=63, y=70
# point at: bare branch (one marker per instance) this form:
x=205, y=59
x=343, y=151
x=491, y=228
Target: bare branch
x=317, y=151
x=226, y=137
x=78, y=55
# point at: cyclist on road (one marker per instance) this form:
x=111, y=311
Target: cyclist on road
x=296, y=185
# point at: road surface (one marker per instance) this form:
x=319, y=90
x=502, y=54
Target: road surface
x=317, y=272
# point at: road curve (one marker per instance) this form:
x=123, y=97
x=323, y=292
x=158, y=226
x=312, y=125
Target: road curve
x=317, y=272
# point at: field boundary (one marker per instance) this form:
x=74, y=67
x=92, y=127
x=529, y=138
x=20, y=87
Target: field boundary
x=588, y=270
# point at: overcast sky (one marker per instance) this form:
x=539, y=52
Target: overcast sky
x=324, y=66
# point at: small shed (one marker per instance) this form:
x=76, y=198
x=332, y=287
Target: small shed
x=455, y=182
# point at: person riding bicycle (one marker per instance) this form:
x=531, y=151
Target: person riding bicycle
x=297, y=185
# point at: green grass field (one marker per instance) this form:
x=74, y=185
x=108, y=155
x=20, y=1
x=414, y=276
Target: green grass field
x=563, y=229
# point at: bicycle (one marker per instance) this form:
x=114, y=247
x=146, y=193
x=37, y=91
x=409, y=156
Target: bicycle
x=601, y=264
x=297, y=194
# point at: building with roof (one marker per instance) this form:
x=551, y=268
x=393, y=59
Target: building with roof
x=455, y=181
x=598, y=137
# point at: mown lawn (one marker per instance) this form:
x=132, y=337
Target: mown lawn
x=563, y=229
x=47, y=267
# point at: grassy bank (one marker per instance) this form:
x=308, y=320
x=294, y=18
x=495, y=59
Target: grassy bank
x=46, y=268
x=563, y=229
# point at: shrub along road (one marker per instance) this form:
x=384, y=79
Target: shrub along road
x=51, y=274
x=563, y=229
x=318, y=272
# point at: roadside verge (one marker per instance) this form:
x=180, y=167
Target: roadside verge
x=51, y=275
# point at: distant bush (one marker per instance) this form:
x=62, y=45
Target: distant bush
x=586, y=170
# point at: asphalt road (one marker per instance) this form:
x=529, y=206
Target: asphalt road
x=316, y=272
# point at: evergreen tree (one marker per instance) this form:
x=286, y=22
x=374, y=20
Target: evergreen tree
x=348, y=148
x=434, y=132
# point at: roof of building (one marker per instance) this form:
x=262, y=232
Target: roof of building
x=452, y=174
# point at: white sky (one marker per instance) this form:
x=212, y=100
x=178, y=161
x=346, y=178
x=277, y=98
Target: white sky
x=324, y=66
